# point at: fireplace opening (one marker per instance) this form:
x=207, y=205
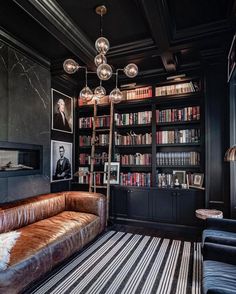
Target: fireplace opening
x=20, y=159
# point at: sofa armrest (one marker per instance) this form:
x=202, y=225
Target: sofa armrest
x=221, y=224
x=219, y=252
x=94, y=203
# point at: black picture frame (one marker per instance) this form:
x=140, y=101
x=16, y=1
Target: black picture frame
x=62, y=121
x=66, y=163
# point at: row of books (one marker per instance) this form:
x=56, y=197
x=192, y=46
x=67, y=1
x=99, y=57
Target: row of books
x=135, y=179
x=178, y=158
x=83, y=175
x=85, y=122
x=136, y=118
x=99, y=158
x=188, y=87
x=102, y=139
x=134, y=159
x=100, y=122
x=85, y=141
x=133, y=139
x=139, y=93
x=181, y=114
x=178, y=136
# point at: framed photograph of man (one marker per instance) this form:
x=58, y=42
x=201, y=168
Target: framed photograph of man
x=115, y=173
x=62, y=112
x=180, y=175
x=232, y=58
x=61, y=161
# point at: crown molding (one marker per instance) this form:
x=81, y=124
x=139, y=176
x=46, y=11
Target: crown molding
x=55, y=20
x=11, y=41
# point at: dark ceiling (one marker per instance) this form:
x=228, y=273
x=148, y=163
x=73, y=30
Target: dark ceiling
x=161, y=36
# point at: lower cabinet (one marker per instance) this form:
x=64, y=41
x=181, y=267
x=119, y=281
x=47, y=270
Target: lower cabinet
x=157, y=205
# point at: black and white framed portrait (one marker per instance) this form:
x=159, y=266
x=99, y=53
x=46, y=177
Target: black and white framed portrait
x=61, y=161
x=115, y=173
x=62, y=112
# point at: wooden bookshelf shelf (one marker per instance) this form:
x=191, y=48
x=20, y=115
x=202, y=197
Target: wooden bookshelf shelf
x=178, y=145
x=174, y=123
x=135, y=126
x=134, y=146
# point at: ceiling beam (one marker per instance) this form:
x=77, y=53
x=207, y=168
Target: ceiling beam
x=55, y=20
x=153, y=11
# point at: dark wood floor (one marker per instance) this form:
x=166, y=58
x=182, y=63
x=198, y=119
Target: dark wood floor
x=177, y=235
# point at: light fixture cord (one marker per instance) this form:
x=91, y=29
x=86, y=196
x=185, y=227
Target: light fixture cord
x=101, y=24
x=86, y=78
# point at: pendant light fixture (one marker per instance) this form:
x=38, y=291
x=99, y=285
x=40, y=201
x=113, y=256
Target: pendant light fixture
x=104, y=70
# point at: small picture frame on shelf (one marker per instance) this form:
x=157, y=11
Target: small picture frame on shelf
x=179, y=177
x=197, y=180
x=232, y=58
x=115, y=173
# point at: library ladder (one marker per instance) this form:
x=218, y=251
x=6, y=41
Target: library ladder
x=94, y=142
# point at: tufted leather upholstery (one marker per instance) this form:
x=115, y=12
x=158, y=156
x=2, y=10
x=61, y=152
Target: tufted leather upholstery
x=53, y=227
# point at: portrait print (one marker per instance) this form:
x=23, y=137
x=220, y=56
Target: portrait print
x=115, y=173
x=62, y=112
x=61, y=161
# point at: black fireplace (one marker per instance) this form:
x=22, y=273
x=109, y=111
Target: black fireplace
x=18, y=159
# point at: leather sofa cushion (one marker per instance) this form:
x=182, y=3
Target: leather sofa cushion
x=22, y=213
x=219, y=277
x=44, y=244
x=219, y=237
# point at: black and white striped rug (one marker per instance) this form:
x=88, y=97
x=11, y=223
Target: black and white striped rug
x=121, y=262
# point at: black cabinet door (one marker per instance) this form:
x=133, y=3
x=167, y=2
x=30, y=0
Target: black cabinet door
x=187, y=203
x=119, y=202
x=164, y=205
x=139, y=204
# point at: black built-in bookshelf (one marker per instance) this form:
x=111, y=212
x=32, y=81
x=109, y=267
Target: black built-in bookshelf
x=153, y=136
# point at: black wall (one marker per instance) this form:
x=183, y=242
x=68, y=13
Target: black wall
x=24, y=117
x=216, y=135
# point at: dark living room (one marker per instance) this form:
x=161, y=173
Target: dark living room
x=118, y=146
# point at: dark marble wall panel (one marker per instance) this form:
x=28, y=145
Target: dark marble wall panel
x=3, y=92
x=27, y=118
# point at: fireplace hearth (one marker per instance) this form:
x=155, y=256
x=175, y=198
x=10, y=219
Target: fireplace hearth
x=18, y=159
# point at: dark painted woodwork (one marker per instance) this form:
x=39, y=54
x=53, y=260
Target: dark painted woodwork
x=153, y=205
x=232, y=127
x=164, y=205
x=216, y=130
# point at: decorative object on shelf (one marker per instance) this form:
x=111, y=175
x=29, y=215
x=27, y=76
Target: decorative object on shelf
x=115, y=173
x=62, y=112
x=232, y=58
x=104, y=70
x=230, y=154
x=197, y=180
x=179, y=175
x=61, y=158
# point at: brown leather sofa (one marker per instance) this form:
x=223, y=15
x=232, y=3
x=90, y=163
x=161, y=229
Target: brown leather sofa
x=53, y=227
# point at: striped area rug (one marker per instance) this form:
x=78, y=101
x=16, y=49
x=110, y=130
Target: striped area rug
x=121, y=262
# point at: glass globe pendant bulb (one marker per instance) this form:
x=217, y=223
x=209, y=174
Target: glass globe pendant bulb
x=102, y=45
x=104, y=72
x=86, y=94
x=70, y=66
x=100, y=59
x=116, y=95
x=100, y=92
x=131, y=70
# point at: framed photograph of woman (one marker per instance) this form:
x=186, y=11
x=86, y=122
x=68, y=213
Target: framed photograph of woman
x=198, y=180
x=62, y=112
x=61, y=161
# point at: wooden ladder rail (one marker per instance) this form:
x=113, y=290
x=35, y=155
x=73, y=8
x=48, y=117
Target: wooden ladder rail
x=92, y=180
